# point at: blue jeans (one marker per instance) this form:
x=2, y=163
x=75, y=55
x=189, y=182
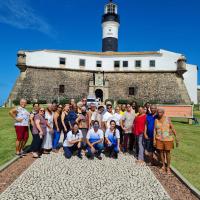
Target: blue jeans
x=98, y=147
x=68, y=151
x=140, y=146
x=113, y=148
x=56, y=138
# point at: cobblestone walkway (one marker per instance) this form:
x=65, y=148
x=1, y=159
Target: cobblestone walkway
x=54, y=177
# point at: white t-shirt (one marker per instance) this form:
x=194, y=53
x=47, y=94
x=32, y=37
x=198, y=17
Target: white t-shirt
x=109, y=133
x=22, y=113
x=94, y=136
x=107, y=117
x=70, y=137
x=117, y=118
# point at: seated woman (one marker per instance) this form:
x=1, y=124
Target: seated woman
x=94, y=141
x=112, y=137
x=73, y=142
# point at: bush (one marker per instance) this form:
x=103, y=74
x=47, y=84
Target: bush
x=122, y=101
x=16, y=102
x=64, y=101
x=42, y=101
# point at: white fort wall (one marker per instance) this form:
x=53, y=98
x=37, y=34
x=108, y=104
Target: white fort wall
x=165, y=61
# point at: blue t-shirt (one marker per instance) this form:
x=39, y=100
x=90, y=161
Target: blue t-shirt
x=150, y=125
x=71, y=117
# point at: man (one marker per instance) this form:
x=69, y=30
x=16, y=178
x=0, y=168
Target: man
x=54, y=106
x=149, y=132
x=98, y=116
x=107, y=117
x=94, y=140
x=21, y=117
x=127, y=125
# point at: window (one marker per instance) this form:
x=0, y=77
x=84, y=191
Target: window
x=152, y=63
x=99, y=63
x=62, y=61
x=61, y=89
x=116, y=63
x=82, y=62
x=138, y=63
x=131, y=91
x=125, y=63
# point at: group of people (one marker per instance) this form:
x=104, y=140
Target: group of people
x=90, y=130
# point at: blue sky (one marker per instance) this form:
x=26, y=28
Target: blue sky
x=76, y=25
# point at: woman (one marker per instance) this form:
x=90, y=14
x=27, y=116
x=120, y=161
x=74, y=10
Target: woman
x=117, y=118
x=65, y=120
x=39, y=131
x=112, y=139
x=163, y=138
x=73, y=142
x=138, y=130
x=57, y=126
x=47, y=141
x=83, y=123
x=94, y=140
x=21, y=116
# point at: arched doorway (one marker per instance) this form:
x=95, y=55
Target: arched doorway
x=99, y=94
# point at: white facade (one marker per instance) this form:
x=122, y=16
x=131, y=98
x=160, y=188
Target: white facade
x=164, y=61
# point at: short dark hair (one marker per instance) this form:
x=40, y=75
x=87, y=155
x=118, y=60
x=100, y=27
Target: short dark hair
x=96, y=121
x=35, y=104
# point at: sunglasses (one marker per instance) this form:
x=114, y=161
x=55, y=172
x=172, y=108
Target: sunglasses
x=42, y=110
x=59, y=107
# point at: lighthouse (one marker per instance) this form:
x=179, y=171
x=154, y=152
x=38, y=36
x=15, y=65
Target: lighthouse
x=110, y=27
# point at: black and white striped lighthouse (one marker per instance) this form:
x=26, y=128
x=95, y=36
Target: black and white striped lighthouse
x=110, y=26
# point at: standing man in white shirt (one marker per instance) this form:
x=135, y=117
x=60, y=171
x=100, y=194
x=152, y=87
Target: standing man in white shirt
x=107, y=117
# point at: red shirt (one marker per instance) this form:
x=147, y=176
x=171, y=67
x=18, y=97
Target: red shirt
x=139, y=124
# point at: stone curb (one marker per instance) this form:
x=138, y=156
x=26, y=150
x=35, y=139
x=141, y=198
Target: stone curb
x=3, y=167
x=193, y=189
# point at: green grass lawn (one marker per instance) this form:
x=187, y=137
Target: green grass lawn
x=185, y=158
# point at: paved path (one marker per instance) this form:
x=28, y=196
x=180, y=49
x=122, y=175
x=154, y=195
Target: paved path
x=54, y=177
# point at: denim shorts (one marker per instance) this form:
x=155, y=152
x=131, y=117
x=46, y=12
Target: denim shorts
x=148, y=144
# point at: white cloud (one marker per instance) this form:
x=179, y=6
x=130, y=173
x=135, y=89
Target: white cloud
x=20, y=14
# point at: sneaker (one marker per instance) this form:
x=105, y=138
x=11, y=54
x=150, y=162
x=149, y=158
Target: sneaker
x=99, y=157
x=35, y=155
x=80, y=156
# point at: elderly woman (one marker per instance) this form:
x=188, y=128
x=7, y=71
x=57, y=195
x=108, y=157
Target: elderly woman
x=21, y=117
x=163, y=138
x=47, y=142
x=39, y=131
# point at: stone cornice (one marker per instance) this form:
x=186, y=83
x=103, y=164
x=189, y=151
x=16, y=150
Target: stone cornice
x=96, y=71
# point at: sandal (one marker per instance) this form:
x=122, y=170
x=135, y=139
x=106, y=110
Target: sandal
x=169, y=171
x=162, y=170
